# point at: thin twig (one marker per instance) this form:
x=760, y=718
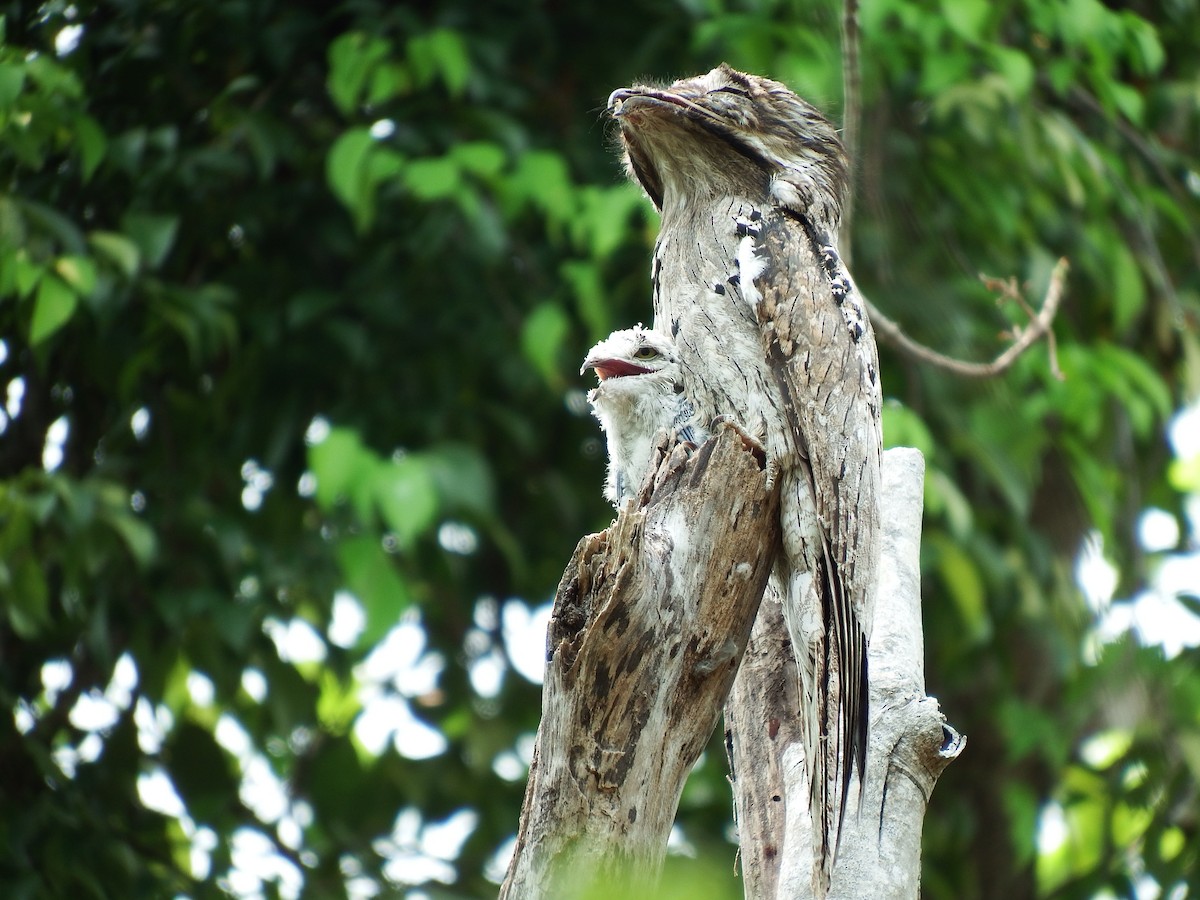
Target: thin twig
x=1009, y=290
x=1023, y=338
x=851, y=111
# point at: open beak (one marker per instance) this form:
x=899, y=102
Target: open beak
x=612, y=368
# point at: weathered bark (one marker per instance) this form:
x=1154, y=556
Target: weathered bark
x=649, y=626
x=764, y=744
x=910, y=744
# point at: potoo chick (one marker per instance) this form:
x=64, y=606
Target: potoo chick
x=640, y=393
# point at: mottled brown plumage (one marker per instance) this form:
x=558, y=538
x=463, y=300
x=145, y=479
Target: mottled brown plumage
x=750, y=181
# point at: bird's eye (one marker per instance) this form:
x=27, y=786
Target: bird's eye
x=645, y=353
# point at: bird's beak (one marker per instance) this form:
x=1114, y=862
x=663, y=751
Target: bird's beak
x=624, y=100
x=611, y=368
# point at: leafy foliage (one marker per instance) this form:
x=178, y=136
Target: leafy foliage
x=291, y=302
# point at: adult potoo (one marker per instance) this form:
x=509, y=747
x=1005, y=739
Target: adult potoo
x=750, y=181
x=640, y=393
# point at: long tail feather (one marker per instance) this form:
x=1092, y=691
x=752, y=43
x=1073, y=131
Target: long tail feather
x=833, y=667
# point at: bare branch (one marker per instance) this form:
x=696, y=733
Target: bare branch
x=851, y=111
x=1023, y=338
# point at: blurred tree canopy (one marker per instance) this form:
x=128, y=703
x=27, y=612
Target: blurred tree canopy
x=294, y=450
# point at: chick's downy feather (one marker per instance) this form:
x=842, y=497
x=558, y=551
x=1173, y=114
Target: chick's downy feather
x=641, y=393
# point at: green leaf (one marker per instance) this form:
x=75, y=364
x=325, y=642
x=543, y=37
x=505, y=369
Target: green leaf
x=201, y=772
x=966, y=18
x=337, y=704
x=1082, y=21
x=1171, y=843
x=463, y=479
x=52, y=309
x=961, y=577
x=541, y=178
x=432, y=179
x=903, y=427
x=406, y=497
x=119, y=250
x=293, y=697
x=1021, y=805
x=1130, y=823
x=1106, y=748
x=1062, y=73
x=542, y=337
x=1146, y=397
x=137, y=535
x=590, y=298
x=1128, y=290
x=308, y=306
x=128, y=149
x=352, y=59
x=1031, y=731
x=1129, y=101
x=78, y=272
x=265, y=142
x=62, y=228
x=371, y=576
x=338, y=789
x=12, y=81
x=92, y=145
x=943, y=498
x=24, y=596
x=383, y=164
x=338, y=462
x=389, y=80
x=52, y=77
x=1016, y=68
x=26, y=273
x=604, y=219
x=345, y=165
x=1150, y=56
x=1184, y=474
x=153, y=234
x=479, y=157
x=441, y=53
x=13, y=233
x=355, y=164
x=940, y=71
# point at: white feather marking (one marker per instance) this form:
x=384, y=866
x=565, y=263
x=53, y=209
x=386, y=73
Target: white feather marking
x=786, y=193
x=749, y=268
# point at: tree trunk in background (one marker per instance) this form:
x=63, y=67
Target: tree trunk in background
x=910, y=744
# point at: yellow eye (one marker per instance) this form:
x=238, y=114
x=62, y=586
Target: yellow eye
x=645, y=353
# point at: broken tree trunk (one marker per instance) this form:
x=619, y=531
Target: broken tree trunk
x=910, y=743
x=649, y=626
